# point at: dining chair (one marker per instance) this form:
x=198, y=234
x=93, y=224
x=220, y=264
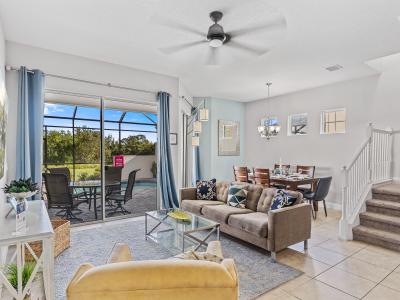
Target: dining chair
x=320, y=193
x=121, y=199
x=113, y=176
x=59, y=196
x=241, y=174
x=261, y=177
x=305, y=170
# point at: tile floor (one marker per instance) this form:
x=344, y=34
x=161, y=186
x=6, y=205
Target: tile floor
x=335, y=269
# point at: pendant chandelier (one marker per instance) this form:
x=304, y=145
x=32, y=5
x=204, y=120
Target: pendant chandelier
x=269, y=126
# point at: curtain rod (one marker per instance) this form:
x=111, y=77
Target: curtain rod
x=10, y=68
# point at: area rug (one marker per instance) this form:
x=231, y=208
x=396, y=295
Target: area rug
x=257, y=273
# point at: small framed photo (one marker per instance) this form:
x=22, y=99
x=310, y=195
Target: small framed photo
x=173, y=138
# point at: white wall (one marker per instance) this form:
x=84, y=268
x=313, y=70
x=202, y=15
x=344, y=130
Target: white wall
x=93, y=70
x=211, y=164
x=3, y=94
x=327, y=152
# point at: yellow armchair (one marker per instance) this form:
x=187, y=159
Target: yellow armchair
x=173, y=279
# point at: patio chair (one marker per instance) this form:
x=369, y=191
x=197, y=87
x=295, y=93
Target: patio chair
x=65, y=171
x=113, y=177
x=121, y=199
x=59, y=196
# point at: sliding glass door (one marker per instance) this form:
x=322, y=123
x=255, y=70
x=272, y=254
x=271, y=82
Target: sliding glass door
x=107, y=151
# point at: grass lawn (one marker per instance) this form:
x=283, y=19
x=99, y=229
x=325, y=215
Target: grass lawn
x=82, y=171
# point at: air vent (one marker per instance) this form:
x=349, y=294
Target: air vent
x=334, y=68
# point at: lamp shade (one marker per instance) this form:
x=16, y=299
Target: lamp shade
x=203, y=115
x=197, y=127
x=195, y=141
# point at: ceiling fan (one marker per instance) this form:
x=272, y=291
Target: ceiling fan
x=217, y=38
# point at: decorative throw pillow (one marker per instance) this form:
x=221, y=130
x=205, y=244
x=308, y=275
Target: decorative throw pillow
x=282, y=199
x=206, y=190
x=237, y=196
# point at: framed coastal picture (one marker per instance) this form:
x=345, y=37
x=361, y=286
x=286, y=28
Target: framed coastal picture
x=228, y=138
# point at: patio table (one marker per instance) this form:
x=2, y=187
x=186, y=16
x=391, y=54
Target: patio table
x=90, y=188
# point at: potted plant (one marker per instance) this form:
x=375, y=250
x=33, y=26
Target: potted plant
x=12, y=275
x=154, y=169
x=21, y=189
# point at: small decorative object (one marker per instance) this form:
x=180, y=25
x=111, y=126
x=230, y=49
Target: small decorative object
x=179, y=215
x=228, y=138
x=173, y=138
x=12, y=275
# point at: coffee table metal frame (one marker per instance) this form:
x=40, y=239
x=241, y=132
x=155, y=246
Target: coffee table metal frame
x=185, y=234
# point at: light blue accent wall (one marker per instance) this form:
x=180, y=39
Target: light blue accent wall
x=212, y=165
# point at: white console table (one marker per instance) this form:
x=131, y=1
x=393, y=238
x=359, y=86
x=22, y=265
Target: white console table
x=39, y=228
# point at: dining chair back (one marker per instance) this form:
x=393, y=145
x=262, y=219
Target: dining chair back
x=261, y=176
x=64, y=171
x=306, y=170
x=112, y=174
x=131, y=184
x=320, y=193
x=241, y=174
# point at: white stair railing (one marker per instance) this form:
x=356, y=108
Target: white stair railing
x=372, y=164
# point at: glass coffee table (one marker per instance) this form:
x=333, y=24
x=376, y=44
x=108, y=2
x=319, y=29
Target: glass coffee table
x=176, y=235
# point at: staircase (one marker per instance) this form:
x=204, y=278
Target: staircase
x=380, y=224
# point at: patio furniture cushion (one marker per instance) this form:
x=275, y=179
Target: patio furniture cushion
x=195, y=206
x=221, y=213
x=253, y=196
x=255, y=223
x=206, y=189
x=222, y=190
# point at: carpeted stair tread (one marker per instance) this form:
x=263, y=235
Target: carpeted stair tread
x=382, y=218
x=376, y=234
x=384, y=204
x=388, y=189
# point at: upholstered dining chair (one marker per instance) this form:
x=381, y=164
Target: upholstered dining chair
x=121, y=199
x=261, y=177
x=320, y=193
x=241, y=174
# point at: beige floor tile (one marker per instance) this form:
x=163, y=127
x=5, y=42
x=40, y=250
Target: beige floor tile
x=295, y=283
x=309, y=266
x=384, y=251
x=382, y=293
x=363, y=269
x=316, y=238
x=299, y=247
x=346, y=282
x=392, y=281
x=325, y=256
x=343, y=247
x=276, y=294
x=315, y=290
x=383, y=260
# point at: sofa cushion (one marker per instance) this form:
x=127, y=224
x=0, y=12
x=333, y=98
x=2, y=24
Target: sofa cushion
x=195, y=206
x=253, y=196
x=255, y=223
x=221, y=213
x=237, y=196
x=282, y=199
x=222, y=190
x=206, y=190
x=268, y=194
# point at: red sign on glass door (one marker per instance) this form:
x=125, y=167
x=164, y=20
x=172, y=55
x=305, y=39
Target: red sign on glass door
x=119, y=161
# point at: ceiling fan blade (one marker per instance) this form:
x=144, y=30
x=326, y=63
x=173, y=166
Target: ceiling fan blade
x=275, y=24
x=212, y=57
x=240, y=46
x=178, y=26
x=180, y=47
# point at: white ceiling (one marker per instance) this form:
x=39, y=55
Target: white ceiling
x=319, y=33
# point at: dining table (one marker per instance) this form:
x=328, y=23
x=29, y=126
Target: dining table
x=91, y=190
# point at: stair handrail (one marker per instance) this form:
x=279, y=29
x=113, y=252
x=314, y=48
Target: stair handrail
x=365, y=172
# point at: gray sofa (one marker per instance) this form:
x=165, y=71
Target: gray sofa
x=271, y=230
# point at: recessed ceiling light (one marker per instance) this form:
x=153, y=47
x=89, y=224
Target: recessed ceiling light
x=334, y=68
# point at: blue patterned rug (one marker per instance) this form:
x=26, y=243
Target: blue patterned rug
x=257, y=273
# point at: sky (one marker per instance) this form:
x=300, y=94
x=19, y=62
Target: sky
x=61, y=110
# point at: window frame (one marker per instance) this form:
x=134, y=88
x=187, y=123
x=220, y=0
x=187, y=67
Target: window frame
x=323, y=122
